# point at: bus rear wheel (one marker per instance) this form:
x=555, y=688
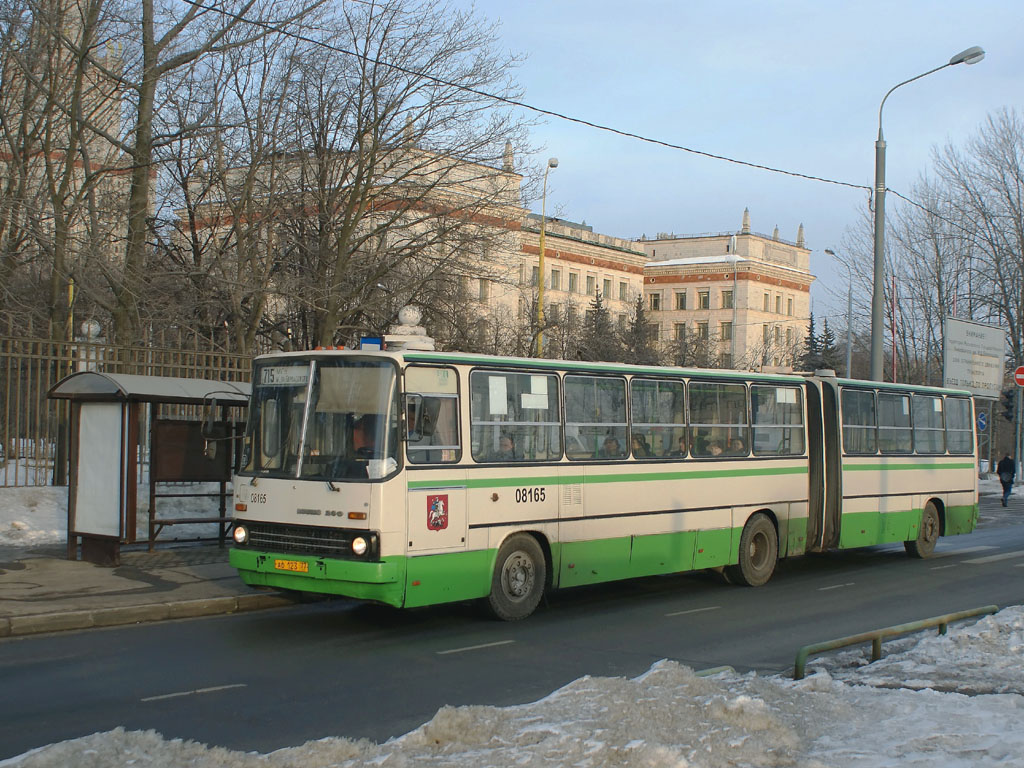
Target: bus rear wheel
x=759, y=552
x=520, y=575
x=927, y=535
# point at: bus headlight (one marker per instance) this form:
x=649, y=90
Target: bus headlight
x=359, y=546
x=240, y=534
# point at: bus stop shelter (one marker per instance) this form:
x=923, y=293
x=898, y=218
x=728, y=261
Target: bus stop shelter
x=107, y=413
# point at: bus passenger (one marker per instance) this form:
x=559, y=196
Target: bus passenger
x=611, y=449
x=737, y=447
x=640, y=447
x=506, y=448
x=714, y=448
x=680, y=450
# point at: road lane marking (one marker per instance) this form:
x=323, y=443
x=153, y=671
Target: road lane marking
x=192, y=693
x=836, y=586
x=964, y=551
x=942, y=567
x=694, y=610
x=996, y=558
x=475, y=647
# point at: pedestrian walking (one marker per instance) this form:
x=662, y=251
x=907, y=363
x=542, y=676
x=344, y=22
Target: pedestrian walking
x=1007, y=470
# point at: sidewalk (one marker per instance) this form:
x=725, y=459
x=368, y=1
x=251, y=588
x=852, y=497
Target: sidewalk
x=42, y=592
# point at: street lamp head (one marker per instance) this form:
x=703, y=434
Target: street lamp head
x=553, y=161
x=972, y=55
x=830, y=252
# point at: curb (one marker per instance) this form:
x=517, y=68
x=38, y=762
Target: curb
x=17, y=626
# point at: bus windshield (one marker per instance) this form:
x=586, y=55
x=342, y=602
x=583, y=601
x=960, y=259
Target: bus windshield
x=327, y=419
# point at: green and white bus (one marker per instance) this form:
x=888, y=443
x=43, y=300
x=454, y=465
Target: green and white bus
x=413, y=478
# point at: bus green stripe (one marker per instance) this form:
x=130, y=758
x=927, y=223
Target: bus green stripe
x=695, y=474
x=887, y=467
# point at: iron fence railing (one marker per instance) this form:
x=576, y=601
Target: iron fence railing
x=33, y=428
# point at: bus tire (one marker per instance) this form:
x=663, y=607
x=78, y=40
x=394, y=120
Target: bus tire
x=759, y=552
x=927, y=535
x=520, y=574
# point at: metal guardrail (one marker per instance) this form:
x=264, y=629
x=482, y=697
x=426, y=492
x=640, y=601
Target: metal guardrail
x=876, y=636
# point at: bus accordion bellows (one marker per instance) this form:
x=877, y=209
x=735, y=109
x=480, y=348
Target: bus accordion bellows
x=414, y=478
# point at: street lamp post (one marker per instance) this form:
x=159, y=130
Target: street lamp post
x=849, y=316
x=552, y=163
x=970, y=56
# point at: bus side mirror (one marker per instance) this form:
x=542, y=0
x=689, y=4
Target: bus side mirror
x=210, y=421
x=413, y=418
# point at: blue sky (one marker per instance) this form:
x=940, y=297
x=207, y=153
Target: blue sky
x=792, y=84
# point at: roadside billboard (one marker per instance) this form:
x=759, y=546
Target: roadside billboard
x=974, y=357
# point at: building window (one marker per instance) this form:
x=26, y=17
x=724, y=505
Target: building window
x=789, y=307
x=591, y=285
x=726, y=299
x=623, y=288
x=702, y=331
x=767, y=299
x=726, y=331
x=655, y=302
x=606, y=289
x=789, y=336
x=681, y=300
x=725, y=360
x=778, y=305
x=533, y=276
x=485, y=289
x=680, y=331
x=553, y=313
x=574, y=283
x=621, y=320
x=778, y=334
x=556, y=279
x=704, y=300
x=653, y=331
x=765, y=333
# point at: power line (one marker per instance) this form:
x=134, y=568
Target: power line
x=523, y=104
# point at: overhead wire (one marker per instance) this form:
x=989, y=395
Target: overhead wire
x=521, y=104
x=270, y=26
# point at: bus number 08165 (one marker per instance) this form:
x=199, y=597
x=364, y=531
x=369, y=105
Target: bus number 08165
x=527, y=495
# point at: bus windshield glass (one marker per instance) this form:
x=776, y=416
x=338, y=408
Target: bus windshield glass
x=327, y=419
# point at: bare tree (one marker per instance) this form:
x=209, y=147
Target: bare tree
x=60, y=215
x=985, y=184
x=400, y=171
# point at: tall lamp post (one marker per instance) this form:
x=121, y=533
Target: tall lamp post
x=970, y=56
x=849, y=316
x=552, y=163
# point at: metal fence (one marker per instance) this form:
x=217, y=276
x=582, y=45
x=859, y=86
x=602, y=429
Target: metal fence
x=33, y=430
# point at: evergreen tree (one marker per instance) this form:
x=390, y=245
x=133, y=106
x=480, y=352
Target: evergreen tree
x=828, y=352
x=810, y=360
x=599, y=342
x=637, y=342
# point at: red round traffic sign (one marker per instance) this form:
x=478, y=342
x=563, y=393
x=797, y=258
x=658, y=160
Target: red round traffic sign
x=1018, y=375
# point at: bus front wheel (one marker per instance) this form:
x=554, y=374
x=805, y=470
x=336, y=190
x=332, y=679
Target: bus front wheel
x=520, y=574
x=927, y=534
x=759, y=552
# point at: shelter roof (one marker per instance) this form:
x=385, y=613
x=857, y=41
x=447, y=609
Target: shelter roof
x=90, y=385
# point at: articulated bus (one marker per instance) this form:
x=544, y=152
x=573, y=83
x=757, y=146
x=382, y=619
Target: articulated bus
x=414, y=478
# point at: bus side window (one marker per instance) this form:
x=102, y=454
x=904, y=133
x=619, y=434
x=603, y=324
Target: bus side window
x=432, y=415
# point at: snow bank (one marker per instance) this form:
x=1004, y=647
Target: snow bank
x=965, y=708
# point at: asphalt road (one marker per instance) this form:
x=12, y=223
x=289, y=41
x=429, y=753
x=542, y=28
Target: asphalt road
x=278, y=678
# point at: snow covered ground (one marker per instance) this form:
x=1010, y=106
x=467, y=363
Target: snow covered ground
x=953, y=700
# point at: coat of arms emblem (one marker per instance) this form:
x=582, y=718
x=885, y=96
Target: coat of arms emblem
x=437, y=512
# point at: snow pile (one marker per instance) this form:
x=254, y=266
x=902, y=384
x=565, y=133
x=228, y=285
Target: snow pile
x=848, y=713
x=38, y=516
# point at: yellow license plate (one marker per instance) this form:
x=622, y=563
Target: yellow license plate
x=291, y=565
